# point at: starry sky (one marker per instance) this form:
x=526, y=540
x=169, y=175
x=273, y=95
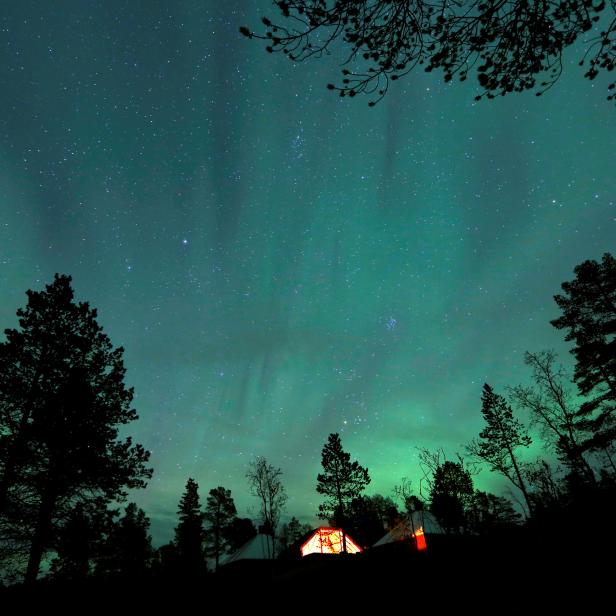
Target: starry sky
x=280, y=263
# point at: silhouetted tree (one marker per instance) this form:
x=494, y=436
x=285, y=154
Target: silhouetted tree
x=79, y=540
x=265, y=484
x=545, y=490
x=451, y=493
x=291, y=533
x=609, y=453
x=410, y=501
x=189, y=533
x=588, y=307
x=508, y=44
x=341, y=482
x=369, y=517
x=488, y=513
x=553, y=409
x=166, y=562
x=128, y=549
x=499, y=440
x=219, y=514
x=239, y=532
x=62, y=401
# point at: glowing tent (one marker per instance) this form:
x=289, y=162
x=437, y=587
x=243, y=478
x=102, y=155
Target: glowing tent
x=415, y=528
x=326, y=540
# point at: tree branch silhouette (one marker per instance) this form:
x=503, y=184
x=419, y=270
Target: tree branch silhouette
x=509, y=45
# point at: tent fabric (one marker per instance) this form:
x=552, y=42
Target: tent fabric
x=327, y=540
x=257, y=548
x=409, y=526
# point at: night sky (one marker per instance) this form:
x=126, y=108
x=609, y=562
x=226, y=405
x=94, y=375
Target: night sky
x=280, y=263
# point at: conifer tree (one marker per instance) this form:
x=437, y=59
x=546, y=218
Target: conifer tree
x=128, y=550
x=450, y=495
x=341, y=482
x=79, y=541
x=588, y=306
x=499, y=440
x=219, y=515
x=189, y=533
x=62, y=402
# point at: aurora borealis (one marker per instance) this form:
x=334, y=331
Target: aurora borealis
x=280, y=263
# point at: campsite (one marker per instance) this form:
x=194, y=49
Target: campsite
x=314, y=298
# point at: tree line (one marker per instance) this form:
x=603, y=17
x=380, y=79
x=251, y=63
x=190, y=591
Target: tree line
x=65, y=470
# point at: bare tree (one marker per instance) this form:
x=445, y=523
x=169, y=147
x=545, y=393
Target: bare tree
x=411, y=502
x=553, y=410
x=265, y=484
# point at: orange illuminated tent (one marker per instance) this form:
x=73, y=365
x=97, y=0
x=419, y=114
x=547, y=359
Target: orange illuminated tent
x=413, y=528
x=327, y=540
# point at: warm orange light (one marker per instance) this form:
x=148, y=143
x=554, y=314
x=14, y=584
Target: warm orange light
x=328, y=541
x=420, y=540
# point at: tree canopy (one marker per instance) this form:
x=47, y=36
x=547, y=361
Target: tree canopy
x=341, y=482
x=502, y=435
x=128, y=548
x=219, y=514
x=62, y=402
x=508, y=45
x=189, y=533
x=450, y=495
x=588, y=306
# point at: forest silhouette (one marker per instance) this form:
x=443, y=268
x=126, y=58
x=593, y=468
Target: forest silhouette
x=65, y=473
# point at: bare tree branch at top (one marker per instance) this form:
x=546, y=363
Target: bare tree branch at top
x=509, y=45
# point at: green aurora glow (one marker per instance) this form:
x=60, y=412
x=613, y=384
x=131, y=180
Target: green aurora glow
x=280, y=263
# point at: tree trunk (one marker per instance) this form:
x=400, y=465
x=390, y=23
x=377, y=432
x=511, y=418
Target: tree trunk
x=587, y=470
x=342, y=520
x=41, y=535
x=521, y=485
x=607, y=453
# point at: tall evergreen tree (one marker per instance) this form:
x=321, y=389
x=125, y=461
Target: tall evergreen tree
x=189, y=533
x=499, y=440
x=79, y=540
x=341, y=482
x=62, y=402
x=128, y=550
x=450, y=495
x=588, y=306
x=219, y=515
